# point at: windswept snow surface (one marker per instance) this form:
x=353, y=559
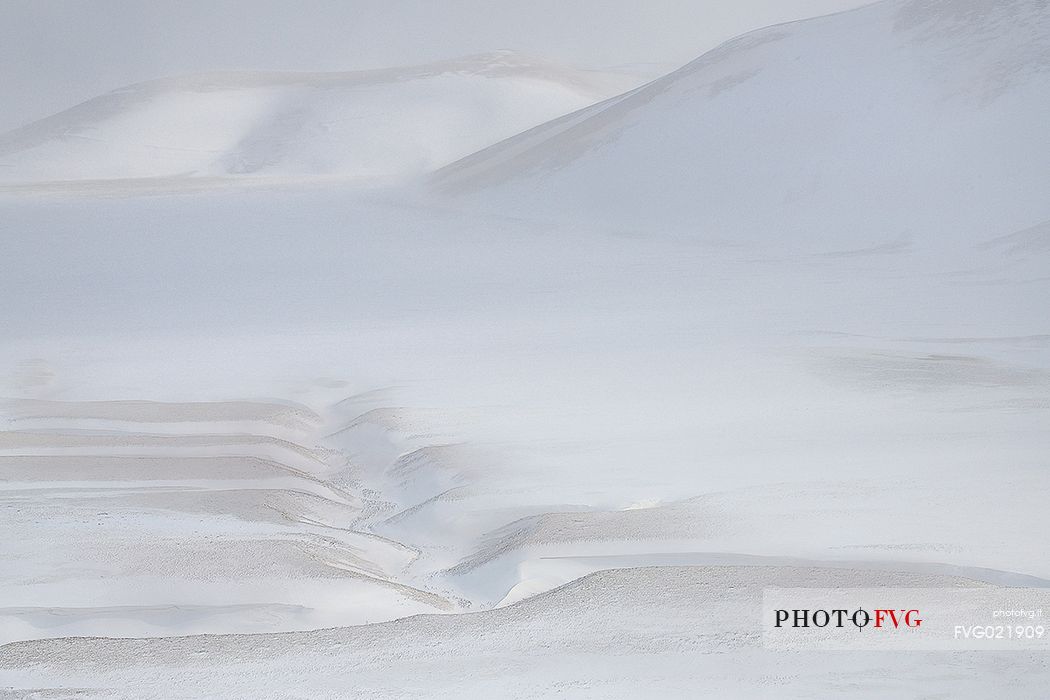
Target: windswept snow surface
x=554, y=420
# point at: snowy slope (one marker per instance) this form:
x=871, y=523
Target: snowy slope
x=675, y=632
x=371, y=125
x=905, y=120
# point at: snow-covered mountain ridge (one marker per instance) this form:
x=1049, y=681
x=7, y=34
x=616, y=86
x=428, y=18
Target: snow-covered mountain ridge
x=365, y=126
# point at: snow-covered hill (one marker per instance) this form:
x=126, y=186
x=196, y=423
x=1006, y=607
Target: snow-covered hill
x=56, y=54
x=370, y=126
x=906, y=120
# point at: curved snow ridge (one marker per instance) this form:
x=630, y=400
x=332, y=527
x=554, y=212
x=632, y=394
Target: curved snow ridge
x=805, y=521
x=560, y=142
x=367, y=126
x=640, y=632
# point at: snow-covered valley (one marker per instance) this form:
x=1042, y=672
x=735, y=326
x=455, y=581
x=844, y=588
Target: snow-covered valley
x=365, y=420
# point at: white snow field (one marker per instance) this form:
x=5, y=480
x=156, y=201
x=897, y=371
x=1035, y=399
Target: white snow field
x=545, y=421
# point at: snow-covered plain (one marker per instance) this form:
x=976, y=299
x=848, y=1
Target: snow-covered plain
x=555, y=414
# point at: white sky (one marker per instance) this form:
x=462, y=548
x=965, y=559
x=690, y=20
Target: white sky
x=56, y=53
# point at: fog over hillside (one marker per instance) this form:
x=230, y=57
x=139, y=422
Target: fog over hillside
x=54, y=54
